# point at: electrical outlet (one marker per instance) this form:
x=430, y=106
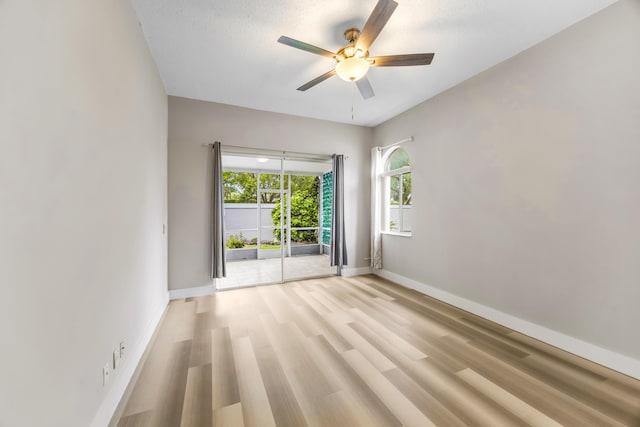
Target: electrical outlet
x=121, y=348
x=116, y=358
x=105, y=374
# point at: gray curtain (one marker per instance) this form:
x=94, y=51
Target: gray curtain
x=376, y=208
x=338, y=242
x=218, y=267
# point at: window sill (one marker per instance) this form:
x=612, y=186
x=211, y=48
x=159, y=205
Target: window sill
x=396, y=233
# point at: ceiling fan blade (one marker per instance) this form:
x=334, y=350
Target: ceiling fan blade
x=376, y=22
x=364, y=86
x=305, y=46
x=402, y=60
x=317, y=80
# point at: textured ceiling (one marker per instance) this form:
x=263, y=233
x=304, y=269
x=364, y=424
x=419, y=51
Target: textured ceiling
x=226, y=50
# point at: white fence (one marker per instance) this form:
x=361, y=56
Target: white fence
x=243, y=217
x=394, y=217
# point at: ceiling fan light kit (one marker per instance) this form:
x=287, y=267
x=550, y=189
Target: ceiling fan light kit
x=352, y=61
x=352, y=69
x=351, y=64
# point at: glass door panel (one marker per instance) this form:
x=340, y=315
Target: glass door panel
x=252, y=192
x=305, y=255
x=270, y=230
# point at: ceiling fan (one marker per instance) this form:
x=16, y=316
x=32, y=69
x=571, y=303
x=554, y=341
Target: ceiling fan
x=353, y=61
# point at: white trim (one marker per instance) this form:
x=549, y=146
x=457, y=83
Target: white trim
x=397, y=233
x=126, y=370
x=618, y=362
x=355, y=271
x=400, y=171
x=276, y=154
x=191, y=292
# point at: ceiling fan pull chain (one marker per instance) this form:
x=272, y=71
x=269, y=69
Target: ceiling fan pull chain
x=353, y=86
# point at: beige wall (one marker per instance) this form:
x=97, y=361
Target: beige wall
x=194, y=123
x=83, y=119
x=526, y=184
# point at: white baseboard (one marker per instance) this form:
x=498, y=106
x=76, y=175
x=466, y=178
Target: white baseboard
x=126, y=368
x=356, y=271
x=618, y=362
x=191, y=292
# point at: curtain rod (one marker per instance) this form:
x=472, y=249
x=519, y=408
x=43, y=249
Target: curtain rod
x=397, y=143
x=287, y=155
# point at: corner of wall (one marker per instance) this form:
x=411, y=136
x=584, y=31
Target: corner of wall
x=191, y=292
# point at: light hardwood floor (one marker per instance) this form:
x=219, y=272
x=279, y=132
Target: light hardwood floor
x=360, y=352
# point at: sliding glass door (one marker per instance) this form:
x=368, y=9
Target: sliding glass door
x=275, y=219
x=306, y=255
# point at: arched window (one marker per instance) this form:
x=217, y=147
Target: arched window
x=396, y=186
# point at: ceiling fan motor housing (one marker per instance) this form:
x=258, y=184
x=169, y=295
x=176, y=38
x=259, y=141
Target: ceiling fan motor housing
x=352, y=35
x=350, y=50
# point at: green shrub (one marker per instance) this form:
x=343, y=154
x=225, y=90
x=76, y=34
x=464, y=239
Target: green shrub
x=236, y=241
x=304, y=209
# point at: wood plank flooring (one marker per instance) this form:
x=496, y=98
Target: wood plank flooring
x=360, y=351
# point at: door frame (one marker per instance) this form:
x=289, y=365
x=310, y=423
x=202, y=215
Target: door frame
x=285, y=194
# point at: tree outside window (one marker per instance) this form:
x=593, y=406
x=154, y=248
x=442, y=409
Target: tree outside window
x=304, y=208
x=242, y=187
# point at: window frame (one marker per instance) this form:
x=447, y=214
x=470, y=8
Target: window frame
x=385, y=177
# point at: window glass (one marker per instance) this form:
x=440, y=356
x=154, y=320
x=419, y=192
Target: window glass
x=406, y=202
x=270, y=180
x=398, y=159
x=239, y=187
x=396, y=180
